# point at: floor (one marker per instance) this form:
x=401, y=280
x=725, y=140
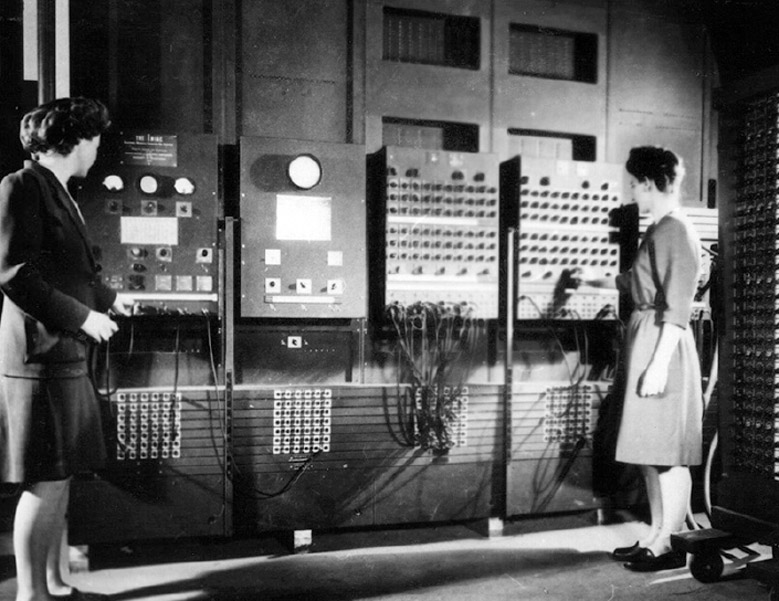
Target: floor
x=560, y=560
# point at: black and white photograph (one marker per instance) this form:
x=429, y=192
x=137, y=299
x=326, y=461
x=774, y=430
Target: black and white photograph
x=389, y=300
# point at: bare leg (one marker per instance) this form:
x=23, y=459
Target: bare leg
x=675, y=487
x=36, y=517
x=652, y=482
x=58, y=556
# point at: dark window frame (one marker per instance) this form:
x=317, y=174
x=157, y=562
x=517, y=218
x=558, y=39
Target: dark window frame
x=584, y=60
x=459, y=39
x=585, y=147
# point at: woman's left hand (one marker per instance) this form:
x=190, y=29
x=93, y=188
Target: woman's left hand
x=653, y=380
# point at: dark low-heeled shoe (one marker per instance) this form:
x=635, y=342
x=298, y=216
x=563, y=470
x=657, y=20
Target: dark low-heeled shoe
x=626, y=553
x=646, y=561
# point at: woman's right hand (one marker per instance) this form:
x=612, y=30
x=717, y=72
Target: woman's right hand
x=578, y=276
x=99, y=326
x=571, y=279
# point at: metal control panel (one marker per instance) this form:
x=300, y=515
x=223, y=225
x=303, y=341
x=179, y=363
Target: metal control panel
x=564, y=224
x=436, y=219
x=302, y=229
x=150, y=204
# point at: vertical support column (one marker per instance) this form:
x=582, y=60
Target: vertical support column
x=61, y=48
x=47, y=77
x=227, y=314
x=228, y=296
x=30, y=39
x=508, y=385
x=11, y=52
x=12, y=101
x=225, y=44
x=113, y=43
x=53, y=49
x=355, y=93
x=362, y=341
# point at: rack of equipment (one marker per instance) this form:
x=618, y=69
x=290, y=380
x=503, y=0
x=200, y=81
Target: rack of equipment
x=744, y=509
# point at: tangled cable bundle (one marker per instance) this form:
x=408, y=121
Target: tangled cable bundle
x=435, y=350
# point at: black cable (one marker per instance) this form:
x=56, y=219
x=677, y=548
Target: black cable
x=221, y=404
x=559, y=478
x=176, y=353
x=445, y=333
x=263, y=496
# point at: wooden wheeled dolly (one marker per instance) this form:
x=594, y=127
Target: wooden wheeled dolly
x=708, y=546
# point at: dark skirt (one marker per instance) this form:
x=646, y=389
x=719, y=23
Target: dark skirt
x=50, y=429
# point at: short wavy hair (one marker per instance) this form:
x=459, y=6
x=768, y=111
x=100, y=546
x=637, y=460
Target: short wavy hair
x=660, y=165
x=59, y=125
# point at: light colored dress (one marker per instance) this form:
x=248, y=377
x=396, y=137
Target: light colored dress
x=666, y=429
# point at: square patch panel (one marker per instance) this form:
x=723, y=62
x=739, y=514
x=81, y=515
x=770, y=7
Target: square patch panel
x=302, y=421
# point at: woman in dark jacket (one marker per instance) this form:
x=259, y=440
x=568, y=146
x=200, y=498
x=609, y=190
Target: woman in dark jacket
x=54, y=304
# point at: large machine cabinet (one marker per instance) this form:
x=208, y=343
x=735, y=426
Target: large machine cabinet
x=745, y=507
x=343, y=456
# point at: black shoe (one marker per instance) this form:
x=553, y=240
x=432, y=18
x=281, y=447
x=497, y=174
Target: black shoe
x=646, y=561
x=626, y=553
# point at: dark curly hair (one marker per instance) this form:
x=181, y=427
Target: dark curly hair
x=61, y=124
x=660, y=165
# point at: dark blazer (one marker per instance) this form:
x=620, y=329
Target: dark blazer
x=48, y=275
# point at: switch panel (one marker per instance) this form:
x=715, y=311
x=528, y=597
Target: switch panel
x=436, y=218
x=564, y=224
x=150, y=204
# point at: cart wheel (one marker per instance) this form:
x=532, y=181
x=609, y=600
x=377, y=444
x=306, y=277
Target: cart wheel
x=707, y=567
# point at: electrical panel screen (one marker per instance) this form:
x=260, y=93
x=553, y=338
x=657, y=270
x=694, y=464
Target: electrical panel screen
x=564, y=224
x=302, y=229
x=150, y=203
x=436, y=223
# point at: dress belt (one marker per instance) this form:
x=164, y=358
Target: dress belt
x=645, y=307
